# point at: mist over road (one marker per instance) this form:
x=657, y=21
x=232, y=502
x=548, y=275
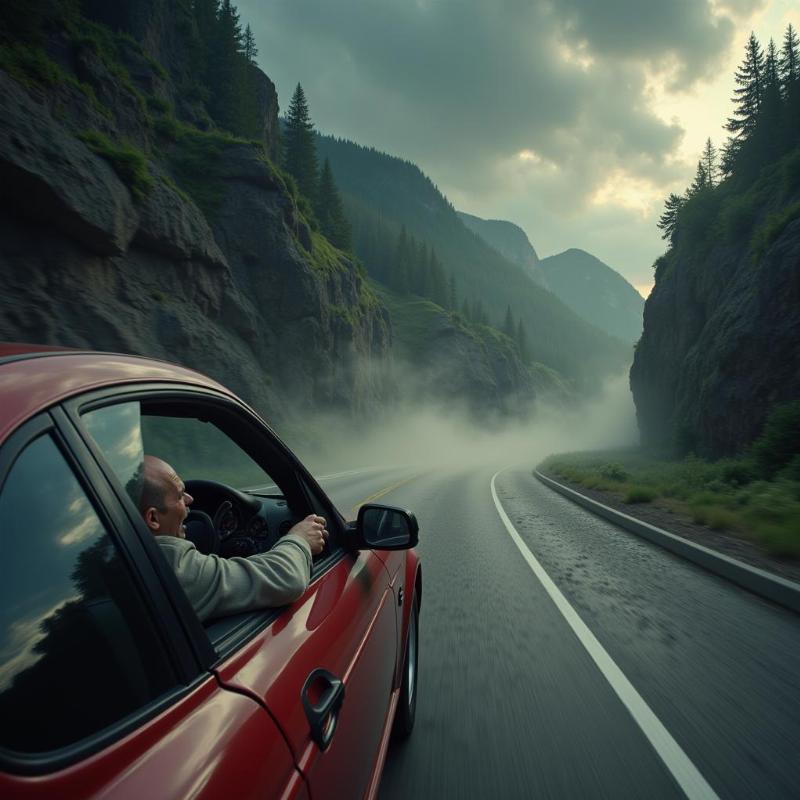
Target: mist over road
x=510, y=702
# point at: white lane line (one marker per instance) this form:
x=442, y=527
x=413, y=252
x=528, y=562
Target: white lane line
x=687, y=775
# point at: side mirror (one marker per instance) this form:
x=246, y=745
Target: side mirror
x=385, y=528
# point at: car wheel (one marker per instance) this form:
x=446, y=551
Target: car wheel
x=407, y=702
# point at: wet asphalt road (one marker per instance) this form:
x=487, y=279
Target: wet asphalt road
x=511, y=705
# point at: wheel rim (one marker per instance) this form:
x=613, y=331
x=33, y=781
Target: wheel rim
x=412, y=658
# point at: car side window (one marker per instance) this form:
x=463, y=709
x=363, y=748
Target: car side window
x=78, y=651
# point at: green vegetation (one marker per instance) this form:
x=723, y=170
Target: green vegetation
x=30, y=65
x=128, y=162
x=299, y=148
x=194, y=158
x=730, y=195
x=756, y=495
x=109, y=48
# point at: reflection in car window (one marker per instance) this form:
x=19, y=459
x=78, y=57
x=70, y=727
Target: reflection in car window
x=198, y=449
x=77, y=651
x=117, y=431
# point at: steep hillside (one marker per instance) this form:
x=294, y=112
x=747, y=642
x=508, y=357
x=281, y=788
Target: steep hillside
x=596, y=292
x=510, y=241
x=721, y=341
x=386, y=192
x=129, y=221
x=445, y=360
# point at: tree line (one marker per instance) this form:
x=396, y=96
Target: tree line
x=764, y=125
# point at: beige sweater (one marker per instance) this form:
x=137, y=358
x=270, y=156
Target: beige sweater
x=219, y=586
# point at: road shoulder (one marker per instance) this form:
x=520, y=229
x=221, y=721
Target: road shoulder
x=724, y=544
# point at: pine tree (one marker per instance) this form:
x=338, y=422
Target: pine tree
x=249, y=46
x=789, y=73
x=521, y=339
x=452, y=300
x=227, y=80
x=400, y=272
x=333, y=221
x=700, y=181
x=669, y=218
x=769, y=118
x=710, y=162
x=508, y=324
x=747, y=97
x=789, y=63
x=299, y=148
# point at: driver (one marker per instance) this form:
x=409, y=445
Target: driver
x=219, y=586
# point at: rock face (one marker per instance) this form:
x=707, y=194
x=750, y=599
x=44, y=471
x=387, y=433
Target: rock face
x=721, y=344
x=510, y=241
x=595, y=292
x=245, y=292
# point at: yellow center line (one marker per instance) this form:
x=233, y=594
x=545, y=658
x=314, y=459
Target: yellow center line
x=379, y=493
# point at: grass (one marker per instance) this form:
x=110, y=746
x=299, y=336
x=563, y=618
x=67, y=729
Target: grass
x=31, y=66
x=727, y=495
x=194, y=158
x=129, y=163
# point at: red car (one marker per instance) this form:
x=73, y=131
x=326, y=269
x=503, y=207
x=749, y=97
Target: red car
x=110, y=686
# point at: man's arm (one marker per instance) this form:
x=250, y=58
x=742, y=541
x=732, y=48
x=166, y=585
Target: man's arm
x=219, y=586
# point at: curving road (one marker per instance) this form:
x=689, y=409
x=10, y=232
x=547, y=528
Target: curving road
x=636, y=675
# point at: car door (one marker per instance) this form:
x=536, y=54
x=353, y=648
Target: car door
x=344, y=625
x=101, y=694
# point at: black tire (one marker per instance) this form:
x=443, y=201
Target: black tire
x=407, y=702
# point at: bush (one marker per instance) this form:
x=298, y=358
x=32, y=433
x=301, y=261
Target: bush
x=772, y=228
x=773, y=514
x=613, y=472
x=779, y=441
x=640, y=494
x=738, y=472
x=128, y=162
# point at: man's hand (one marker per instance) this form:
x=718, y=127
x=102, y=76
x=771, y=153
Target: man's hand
x=312, y=529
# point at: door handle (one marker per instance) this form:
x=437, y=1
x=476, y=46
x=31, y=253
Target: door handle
x=322, y=711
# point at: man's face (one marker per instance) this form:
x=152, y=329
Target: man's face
x=177, y=503
x=166, y=517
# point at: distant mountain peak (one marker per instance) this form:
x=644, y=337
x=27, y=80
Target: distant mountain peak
x=509, y=240
x=595, y=291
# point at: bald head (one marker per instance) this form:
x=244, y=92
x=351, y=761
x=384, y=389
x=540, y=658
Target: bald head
x=163, y=502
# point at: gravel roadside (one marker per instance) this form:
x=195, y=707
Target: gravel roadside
x=725, y=542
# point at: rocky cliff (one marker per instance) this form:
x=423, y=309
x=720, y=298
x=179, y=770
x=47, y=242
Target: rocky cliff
x=721, y=341
x=129, y=222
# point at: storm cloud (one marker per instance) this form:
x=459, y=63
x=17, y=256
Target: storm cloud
x=510, y=106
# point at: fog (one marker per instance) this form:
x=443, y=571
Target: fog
x=429, y=436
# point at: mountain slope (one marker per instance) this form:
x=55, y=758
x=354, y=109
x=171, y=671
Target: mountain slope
x=380, y=190
x=510, y=241
x=721, y=340
x=596, y=292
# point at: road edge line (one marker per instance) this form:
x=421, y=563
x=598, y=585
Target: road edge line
x=771, y=587
x=679, y=765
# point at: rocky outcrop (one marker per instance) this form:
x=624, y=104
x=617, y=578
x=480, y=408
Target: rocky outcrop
x=721, y=342
x=51, y=176
x=102, y=247
x=468, y=367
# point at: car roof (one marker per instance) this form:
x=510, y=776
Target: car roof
x=35, y=377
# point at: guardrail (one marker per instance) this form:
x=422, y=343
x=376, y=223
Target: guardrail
x=772, y=587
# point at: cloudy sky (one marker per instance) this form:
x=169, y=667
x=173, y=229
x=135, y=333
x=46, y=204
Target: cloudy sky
x=572, y=118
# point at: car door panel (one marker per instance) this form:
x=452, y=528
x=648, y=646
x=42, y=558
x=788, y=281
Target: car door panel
x=345, y=623
x=213, y=743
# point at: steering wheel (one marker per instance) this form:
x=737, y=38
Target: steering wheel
x=204, y=531
x=200, y=530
